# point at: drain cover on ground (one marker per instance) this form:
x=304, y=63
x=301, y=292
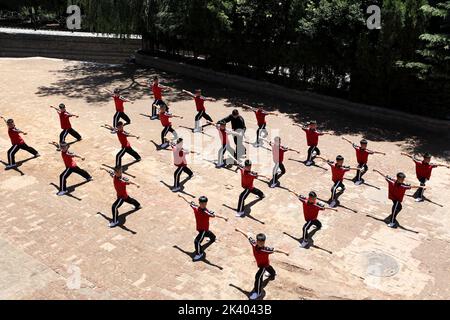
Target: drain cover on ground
x=380, y=264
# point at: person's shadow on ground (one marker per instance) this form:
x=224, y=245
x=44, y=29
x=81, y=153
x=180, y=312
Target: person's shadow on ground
x=338, y=203
x=386, y=221
x=192, y=254
x=18, y=165
x=14, y=169
x=416, y=194
x=181, y=187
x=247, y=210
x=71, y=189
x=310, y=241
x=122, y=219
x=248, y=293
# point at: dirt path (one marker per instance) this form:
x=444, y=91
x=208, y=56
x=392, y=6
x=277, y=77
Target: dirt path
x=45, y=241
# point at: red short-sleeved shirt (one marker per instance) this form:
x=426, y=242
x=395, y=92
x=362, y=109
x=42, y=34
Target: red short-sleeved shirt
x=202, y=218
x=261, y=116
x=423, y=170
x=15, y=137
x=223, y=135
x=312, y=137
x=157, y=91
x=179, y=157
x=123, y=139
x=121, y=188
x=397, y=190
x=68, y=159
x=362, y=156
x=118, y=100
x=64, y=119
x=164, y=118
x=261, y=254
x=310, y=210
x=278, y=153
x=337, y=173
x=247, y=178
x=199, y=103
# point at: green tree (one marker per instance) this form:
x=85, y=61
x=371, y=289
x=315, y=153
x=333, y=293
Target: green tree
x=328, y=35
x=320, y=45
x=435, y=56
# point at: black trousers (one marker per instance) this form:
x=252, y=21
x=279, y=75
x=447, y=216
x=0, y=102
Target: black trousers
x=122, y=152
x=240, y=148
x=119, y=202
x=221, y=153
x=65, y=132
x=308, y=225
x=120, y=115
x=275, y=174
x=259, y=276
x=396, y=208
x=362, y=169
x=16, y=147
x=155, y=104
x=261, y=129
x=311, y=150
x=244, y=194
x=336, y=185
x=66, y=173
x=420, y=191
x=177, y=174
x=166, y=130
x=203, y=114
x=199, y=238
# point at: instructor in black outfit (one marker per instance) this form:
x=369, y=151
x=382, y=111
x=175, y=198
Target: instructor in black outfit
x=238, y=125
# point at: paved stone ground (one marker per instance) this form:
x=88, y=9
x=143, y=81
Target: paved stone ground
x=59, y=248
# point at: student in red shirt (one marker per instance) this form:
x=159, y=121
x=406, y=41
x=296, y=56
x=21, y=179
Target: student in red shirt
x=397, y=189
x=164, y=117
x=125, y=144
x=71, y=167
x=202, y=216
x=225, y=143
x=338, y=170
x=278, y=157
x=179, y=160
x=120, y=109
x=312, y=139
x=261, y=253
x=200, y=105
x=17, y=144
x=311, y=210
x=157, y=90
x=423, y=171
x=66, y=126
x=362, y=156
x=261, y=115
x=120, y=184
x=247, y=177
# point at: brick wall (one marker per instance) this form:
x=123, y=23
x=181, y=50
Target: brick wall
x=96, y=49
